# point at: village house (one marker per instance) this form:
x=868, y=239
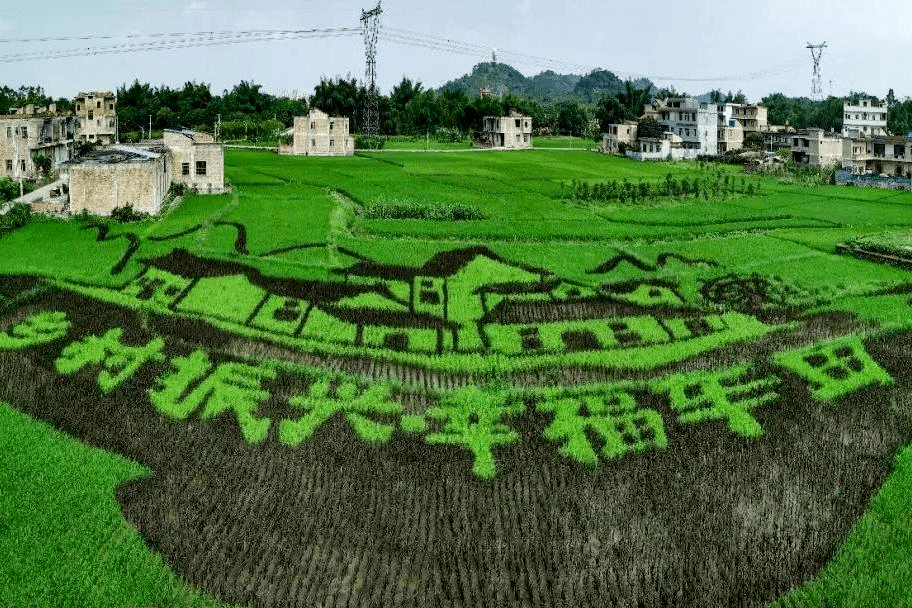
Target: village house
x=777, y=137
x=694, y=122
x=880, y=155
x=31, y=130
x=508, y=132
x=319, y=134
x=96, y=117
x=116, y=176
x=617, y=134
x=196, y=160
x=867, y=118
x=816, y=148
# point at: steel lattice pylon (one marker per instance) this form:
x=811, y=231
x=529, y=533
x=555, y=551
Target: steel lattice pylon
x=370, y=28
x=816, y=87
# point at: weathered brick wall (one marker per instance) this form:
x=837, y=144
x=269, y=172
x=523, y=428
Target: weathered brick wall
x=99, y=187
x=184, y=159
x=47, y=135
x=102, y=127
x=318, y=134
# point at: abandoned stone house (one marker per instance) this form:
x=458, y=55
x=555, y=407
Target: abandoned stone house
x=116, y=176
x=319, y=134
x=31, y=130
x=867, y=118
x=507, y=132
x=880, y=155
x=96, y=116
x=196, y=160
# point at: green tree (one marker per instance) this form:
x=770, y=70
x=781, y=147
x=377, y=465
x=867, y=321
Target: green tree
x=633, y=100
x=42, y=163
x=609, y=111
x=649, y=127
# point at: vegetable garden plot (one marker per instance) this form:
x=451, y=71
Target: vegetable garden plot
x=313, y=475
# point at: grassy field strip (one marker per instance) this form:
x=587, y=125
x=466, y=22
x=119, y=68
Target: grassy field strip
x=62, y=535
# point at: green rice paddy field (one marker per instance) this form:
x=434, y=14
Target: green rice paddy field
x=450, y=379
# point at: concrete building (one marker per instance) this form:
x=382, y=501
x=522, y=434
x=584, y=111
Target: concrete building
x=319, y=134
x=777, y=137
x=697, y=124
x=623, y=133
x=117, y=176
x=196, y=160
x=865, y=119
x=96, y=117
x=30, y=130
x=509, y=132
x=816, y=148
x=881, y=155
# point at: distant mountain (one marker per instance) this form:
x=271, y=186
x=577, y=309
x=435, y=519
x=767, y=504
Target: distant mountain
x=544, y=87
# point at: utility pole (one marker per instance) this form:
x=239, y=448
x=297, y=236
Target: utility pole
x=150, y=126
x=218, y=125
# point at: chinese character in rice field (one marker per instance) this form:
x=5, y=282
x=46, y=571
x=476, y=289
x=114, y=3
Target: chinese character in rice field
x=835, y=368
x=120, y=361
x=729, y=394
x=233, y=387
x=326, y=397
x=40, y=328
x=612, y=416
x=472, y=418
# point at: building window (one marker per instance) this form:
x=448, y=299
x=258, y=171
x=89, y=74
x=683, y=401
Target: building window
x=331, y=125
x=24, y=132
x=111, y=106
x=9, y=166
x=91, y=115
x=9, y=132
x=331, y=143
x=98, y=104
x=185, y=168
x=313, y=126
x=201, y=167
x=313, y=143
x=525, y=139
x=77, y=107
x=22, y=165
x=92, y=136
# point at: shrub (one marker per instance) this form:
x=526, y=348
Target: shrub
x=126, y=214
x=17, y=217
x=369, y=142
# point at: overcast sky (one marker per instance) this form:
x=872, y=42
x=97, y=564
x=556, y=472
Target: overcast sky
x=695, y=45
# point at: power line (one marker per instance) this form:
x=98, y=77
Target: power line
x=196, y=40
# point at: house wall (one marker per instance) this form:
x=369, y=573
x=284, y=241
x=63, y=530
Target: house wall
x=186, y=150
x=319, y=134
x=866, y=118
x=510, y=132
x=20, y=137
x=98, y=187
x=617, y=134
x=102, y=107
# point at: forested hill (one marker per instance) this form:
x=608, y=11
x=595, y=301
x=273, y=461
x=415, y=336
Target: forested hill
x=544, y=87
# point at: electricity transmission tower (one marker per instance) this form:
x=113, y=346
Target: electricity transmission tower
x=816, y=86
x=370, y=28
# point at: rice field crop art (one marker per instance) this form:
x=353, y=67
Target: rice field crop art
x=712, y=421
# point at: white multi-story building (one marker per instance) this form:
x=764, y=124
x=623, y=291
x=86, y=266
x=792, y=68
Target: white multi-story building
x=694, y=122
x=867, y=119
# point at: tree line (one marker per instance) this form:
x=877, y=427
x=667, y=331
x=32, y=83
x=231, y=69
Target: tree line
x=246, y=111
